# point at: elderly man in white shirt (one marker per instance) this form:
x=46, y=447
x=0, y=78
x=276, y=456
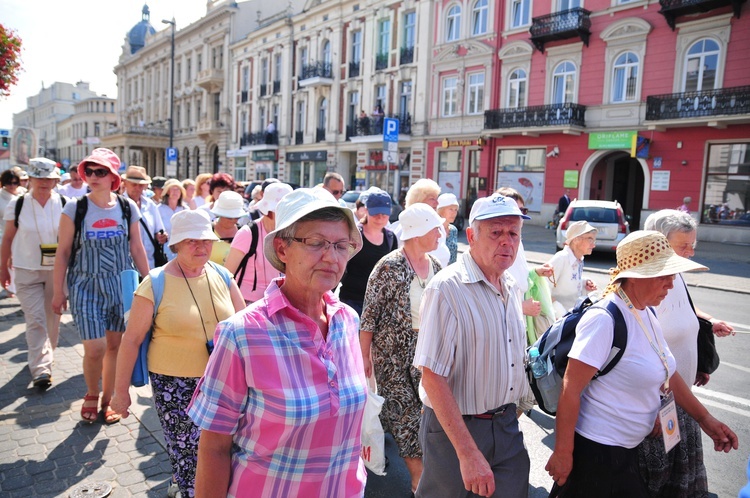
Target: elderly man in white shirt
x=471, y=349
x=152, y=226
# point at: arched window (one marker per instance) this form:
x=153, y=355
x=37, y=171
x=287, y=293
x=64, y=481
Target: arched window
x=479, y=18
x=700, y=66
x=625, y=78
x=326, y=54
x=564, y=83
x=516, y=89
x=453, y=24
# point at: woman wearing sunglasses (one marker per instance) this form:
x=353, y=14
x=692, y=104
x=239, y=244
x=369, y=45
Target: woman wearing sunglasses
x=108, y=242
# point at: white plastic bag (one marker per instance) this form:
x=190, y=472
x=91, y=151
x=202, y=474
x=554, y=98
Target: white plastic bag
x=373, y=438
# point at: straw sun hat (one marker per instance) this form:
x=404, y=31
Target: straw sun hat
x=647, y=254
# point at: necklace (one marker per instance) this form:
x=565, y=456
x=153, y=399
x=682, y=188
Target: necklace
x=203, y=324
x=422, y=283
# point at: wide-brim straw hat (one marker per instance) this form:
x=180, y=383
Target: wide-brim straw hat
x=647, y=254
x=173, y=182
x=298, y=204
x=137, y=175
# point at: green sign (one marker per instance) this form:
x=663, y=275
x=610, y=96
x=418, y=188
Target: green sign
x=570, y=178
x=612, y=139
x=264, y=155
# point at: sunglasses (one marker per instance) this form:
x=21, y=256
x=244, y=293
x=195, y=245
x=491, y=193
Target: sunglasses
x=99, y=172
x=524, y=210
x=337, y=192
x=14, y=183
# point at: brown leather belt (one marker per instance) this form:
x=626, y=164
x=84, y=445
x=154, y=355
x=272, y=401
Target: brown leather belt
x=489, y=415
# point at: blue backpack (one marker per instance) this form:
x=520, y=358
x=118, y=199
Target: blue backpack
x=554, y=346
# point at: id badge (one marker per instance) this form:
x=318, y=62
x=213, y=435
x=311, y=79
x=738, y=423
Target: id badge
x=48, y=254
x=670, y=429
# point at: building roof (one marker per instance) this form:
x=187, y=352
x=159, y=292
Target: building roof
x=137, y=34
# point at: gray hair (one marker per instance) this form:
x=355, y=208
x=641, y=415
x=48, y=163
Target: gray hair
x=668, y=221
x=332, y=176
x=421, y=189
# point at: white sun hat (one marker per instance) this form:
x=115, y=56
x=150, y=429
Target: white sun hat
x=191, y=224
x=229, y=205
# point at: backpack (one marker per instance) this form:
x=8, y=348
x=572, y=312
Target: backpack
x=19, y=206
x=82, y=207
x=554, y=346
x=251, y=252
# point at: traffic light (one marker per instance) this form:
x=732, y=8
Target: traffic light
x=5, y=142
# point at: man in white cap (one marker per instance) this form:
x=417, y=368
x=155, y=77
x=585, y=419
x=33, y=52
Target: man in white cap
x=471, y=351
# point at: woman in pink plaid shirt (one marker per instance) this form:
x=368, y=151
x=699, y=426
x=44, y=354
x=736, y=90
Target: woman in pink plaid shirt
x=281, y=403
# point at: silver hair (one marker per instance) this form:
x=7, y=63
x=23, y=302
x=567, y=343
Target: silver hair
x=421, y=190
x=669, y=221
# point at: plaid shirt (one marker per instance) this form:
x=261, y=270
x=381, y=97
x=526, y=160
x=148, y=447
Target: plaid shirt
x=292, y=400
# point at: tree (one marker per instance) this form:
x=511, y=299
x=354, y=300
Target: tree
x=10, y=59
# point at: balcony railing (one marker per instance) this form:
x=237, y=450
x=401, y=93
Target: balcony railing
x=299, y=137
x=317, y=69
x=259, y=138
x=569, y=23
x=381, y=61
x=407, y=55
x=244, y=96
x=672, y=9
x=277, y=86
x=373, y=125
x=320, y=134
x=536, y=116
x=724, y=101
x=151, y=131
x=263, y=89
x=354, y=69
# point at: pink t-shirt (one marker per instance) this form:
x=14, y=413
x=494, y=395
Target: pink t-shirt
x=257, y=266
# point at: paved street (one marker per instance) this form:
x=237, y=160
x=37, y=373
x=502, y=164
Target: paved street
x=46, y=451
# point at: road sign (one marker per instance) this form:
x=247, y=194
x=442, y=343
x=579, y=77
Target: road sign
x=4, y=133
x=391, y=146
x=390, y=130
x=390, y=157
x=171, y=153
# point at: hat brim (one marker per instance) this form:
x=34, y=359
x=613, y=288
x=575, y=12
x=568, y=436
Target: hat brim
x=195, y=235
x=588, y=230
x=673, y=265
x=419, y=231
x=52, y=175
x=138, y=181
x=311, y=207
x=489, y=216
x=226, y=213
x=379, y=210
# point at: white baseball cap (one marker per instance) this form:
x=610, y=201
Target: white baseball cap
x=271, y=196
x=495, y=206
x=191, y=224
x=417, y=220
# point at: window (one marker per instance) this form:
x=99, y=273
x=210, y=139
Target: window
x=404, y=105
x=384, y=36
x=450, y=97
x=303, y=57
x=520, y=13
x=262, y=118
x=275, y=115
x=277, y=67
x=199, y=65
x=189, y=68
x=726, y=199
x=326, y=53
x=245, y=78
x=356, y=46
x=217, y=106
x=476, y=94
x=353, y=109
x=516, y=90
x=569, y=4
x=700, y=66
x=380, y=91
x=563, y=83
x=453, y=24
x=188, y=123
x=625, y=78
x=479, y=18
x=263, y=71
x=300, y=116
x=322, y=111
x=410, y=23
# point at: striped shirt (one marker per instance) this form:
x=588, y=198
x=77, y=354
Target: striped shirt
x=474, y=337
x=292, y=400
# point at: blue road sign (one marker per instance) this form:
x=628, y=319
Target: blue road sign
x=4, y=133
x=390, y=130
x=171, y=153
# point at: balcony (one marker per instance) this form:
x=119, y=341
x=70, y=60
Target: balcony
x=540, y=116
x=569, y=23
x=381, y=62
x=316, y=74
x=148, y=131
x=407, y=55
x=672, y=9
x=208, y=128
x=354, y=69
x=372, y=127
x=299, y=137
x=211, y=80
x=320, y=134
x=259, y=138
x=277, y=86
x=244, y=96
x=263, y=89
x=710, y=103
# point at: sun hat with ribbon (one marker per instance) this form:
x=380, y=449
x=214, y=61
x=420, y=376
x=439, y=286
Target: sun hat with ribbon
x=229, y=205
x=137, y=175
x=191, y=224
x=298, y=204
x=173, y=182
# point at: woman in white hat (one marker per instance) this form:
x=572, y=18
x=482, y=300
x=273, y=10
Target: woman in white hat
x=196, y=295
x=282, y=399
x=600, y=422
x=29, y=244
x=567, y=265
x=227, y=209
x=171, y=203
x=246, y=260
x=390, y=325
x=448, y=208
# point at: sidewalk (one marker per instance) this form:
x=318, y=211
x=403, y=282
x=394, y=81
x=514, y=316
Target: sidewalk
x=45, y=450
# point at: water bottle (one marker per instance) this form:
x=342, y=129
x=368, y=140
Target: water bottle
x=538, y=365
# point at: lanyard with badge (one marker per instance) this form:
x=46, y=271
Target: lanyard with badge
x=670, y=429
x=48, y=250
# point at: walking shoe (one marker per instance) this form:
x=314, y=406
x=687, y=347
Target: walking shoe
x=173, y=490
x=42, y=382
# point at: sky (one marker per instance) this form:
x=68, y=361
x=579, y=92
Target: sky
x=78, y=40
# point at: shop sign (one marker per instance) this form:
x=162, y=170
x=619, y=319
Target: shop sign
x=612, y=139
x=380, y=167
x=459, y=143
x=570, y=178
x=264, y=155
x=311, y=155
x=236, y=153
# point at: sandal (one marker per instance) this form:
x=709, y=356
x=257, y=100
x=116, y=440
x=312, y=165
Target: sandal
x=109, y=415
x=89, y=414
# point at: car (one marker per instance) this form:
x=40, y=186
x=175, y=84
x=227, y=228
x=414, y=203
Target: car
x=606, y=216
x=350, y=198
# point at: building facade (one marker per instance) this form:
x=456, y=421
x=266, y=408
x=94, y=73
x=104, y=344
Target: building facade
x=82, y=132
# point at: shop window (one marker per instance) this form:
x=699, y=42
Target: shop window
x=726, y=198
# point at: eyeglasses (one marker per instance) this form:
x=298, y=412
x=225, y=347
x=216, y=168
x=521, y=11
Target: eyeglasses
x=337, y=192
x=99, y=172
x=524, y=210
x=316, y=244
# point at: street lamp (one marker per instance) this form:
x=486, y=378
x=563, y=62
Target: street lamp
x=171, y=87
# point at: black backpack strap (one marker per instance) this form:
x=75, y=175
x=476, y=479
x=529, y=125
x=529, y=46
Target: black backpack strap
x=391, y=238
x=19, y=207
x=150, y=237
x=126, y=214
x=251, y=252
x=81, y=207
x=620, y=339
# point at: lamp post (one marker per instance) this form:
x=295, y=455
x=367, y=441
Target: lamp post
x=171, y=87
